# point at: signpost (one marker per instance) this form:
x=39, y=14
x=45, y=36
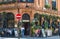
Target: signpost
x=18, y=16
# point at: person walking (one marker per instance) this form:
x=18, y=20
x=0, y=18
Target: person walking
x=43, y=29
x=22, y=31
x=59, y=28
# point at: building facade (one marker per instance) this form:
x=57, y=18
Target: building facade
x=29, y=9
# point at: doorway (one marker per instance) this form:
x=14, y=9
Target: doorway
x=26, y=23
x=27, y=28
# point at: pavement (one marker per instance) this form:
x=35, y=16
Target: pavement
x=53, y=37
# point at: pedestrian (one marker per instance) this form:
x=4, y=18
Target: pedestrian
x=13, y=34
x=16, y=32
x=22, y=31
x=9, y=32
x=43, y=32
x=36, y=33
x=59, y=28
x=43, y=29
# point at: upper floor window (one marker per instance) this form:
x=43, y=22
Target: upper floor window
x=10, y=0
x=53, y=4
x=46, y=2
x=22, y=0
x=5, y=0
x=47, y=5
x=29, y=1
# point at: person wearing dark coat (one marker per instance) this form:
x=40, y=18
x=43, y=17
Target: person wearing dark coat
x=59, y=28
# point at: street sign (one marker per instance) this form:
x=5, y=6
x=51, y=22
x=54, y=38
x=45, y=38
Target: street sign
x=18, y=16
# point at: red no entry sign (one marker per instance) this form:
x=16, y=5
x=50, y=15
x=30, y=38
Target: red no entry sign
x=18, y=16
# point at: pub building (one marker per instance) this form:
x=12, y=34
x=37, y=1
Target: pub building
x=31, y=11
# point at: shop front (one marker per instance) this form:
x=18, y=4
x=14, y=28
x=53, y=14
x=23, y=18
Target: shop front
x=26, y=23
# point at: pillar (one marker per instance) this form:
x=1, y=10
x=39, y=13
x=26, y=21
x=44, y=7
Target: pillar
x=51, y=22
x=42, y=20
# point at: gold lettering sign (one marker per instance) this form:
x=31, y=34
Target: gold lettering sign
x=27, y=10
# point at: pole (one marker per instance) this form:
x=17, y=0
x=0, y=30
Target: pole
x=18, y=20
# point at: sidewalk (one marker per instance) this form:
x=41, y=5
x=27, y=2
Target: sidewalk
x=53, y=37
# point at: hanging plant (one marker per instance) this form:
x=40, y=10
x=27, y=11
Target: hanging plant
x=45, y=16
x=42, y=15
x=54, y=18
x=58, y=17
x=32, y=23
x=47, y=6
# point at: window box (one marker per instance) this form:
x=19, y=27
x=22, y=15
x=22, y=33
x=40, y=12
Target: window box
x=47, y=6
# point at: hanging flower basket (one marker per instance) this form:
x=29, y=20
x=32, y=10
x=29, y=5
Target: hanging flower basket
x=47, y=6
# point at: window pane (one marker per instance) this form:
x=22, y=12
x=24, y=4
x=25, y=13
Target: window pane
x=22, y=0
x=5, y=0
x=30, y=1
x=53, y=4
x=9, y=0
x=46, y=2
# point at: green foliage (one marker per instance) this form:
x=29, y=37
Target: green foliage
x=54, y=8
x=46, y=24
x=32, y=23
x=58, y=17
x=42, y=15
x=47, y=6
x=54, y=18
x=33, y=28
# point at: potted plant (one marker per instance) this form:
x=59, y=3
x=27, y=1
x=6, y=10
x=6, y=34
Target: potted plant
x=47, y=6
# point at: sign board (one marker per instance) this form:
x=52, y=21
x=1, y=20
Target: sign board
x=25, y=20
x=18, y=16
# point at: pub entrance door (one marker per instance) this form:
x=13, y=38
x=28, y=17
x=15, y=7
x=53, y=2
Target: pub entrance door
x=26, y=23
